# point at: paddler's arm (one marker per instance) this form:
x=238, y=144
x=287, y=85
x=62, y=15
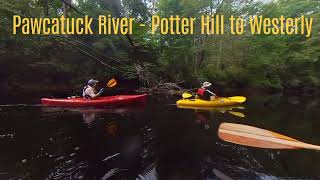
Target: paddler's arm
x=96, y=95
x=93, y=95
x=213, y=94
x=100, y=92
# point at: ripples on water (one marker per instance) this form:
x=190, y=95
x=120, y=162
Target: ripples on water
x=153, y=142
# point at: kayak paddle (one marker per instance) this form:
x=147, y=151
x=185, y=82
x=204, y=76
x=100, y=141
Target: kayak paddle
x=111, y=83
x=186, y=95
x=239, y=107
x=238, y=114
x=261, y=138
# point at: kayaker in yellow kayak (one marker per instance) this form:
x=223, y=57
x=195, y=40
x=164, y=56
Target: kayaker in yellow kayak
x=89, y=91
x=204, y=93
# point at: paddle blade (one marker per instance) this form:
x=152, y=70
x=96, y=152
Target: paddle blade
x=239, y=107
x=239, y=99
x=186, y=95
x=256, y=137
x=238, y=114
x=112, y=83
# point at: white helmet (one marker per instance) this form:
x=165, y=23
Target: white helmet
x=206, y=84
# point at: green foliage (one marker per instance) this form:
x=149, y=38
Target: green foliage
x=266, y=61
x=277, y=61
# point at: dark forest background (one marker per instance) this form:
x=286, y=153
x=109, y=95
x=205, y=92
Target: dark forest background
x=37, y=64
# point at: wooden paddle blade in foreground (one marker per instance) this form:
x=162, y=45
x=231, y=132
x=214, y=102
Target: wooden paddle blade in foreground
x=261, y=138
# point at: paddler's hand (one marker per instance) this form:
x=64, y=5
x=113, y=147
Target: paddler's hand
x=101, y=91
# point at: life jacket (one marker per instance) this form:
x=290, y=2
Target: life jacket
x=84, y=92
x=201, y=91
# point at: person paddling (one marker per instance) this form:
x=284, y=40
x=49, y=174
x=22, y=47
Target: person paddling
x=204, y=93
x=89, y=91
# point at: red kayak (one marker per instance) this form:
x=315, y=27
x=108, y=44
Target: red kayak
x=100, y=101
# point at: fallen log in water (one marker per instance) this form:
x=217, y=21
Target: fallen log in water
x=167, y=89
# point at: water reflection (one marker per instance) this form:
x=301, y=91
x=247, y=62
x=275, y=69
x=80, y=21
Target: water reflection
x=234, y=110
x=117, y=143
x=154, y=142
x=202, y=117
x=203, y=114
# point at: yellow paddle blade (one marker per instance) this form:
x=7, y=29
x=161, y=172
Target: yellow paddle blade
x=261, y=138
x=186, y=95
x=239, y=99
x=239, y=114
x=239, y=107
x=112, y=83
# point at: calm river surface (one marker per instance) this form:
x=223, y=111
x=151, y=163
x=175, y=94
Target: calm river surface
x=156, y=141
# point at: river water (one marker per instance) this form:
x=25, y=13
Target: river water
x=155, y=141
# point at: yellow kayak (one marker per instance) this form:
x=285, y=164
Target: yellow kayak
x=220, y=101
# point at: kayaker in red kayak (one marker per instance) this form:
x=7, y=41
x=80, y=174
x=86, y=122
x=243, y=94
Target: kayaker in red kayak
x=204, y=93
x=89, y=91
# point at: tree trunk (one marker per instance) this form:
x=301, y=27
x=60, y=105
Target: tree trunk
x=220, y=55
x=45, y=8
x=65, y=7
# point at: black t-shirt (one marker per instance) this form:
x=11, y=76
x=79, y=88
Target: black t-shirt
x=206, y=95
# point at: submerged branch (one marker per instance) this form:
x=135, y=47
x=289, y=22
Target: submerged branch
x=166, y=89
